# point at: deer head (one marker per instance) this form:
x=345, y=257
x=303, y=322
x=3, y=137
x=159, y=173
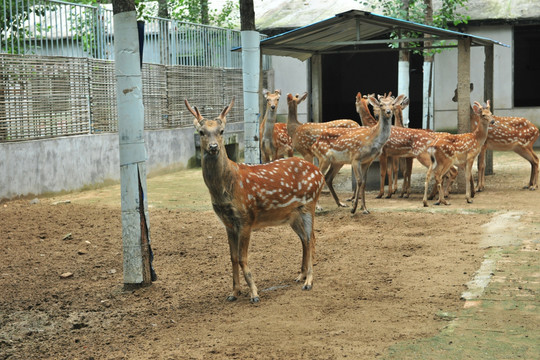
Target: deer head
x=211, y=131
x=272, y=99
x=484, y=112
x=385, y=104
x=295, y=100
x=455, y=99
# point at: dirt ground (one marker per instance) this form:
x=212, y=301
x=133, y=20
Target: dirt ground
x=380, y=279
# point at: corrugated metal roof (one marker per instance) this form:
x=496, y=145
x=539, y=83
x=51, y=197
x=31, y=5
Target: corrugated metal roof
x=355, y=31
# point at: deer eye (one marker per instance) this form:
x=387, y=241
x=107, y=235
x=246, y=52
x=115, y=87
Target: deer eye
x=201, y=133
x=221, y=132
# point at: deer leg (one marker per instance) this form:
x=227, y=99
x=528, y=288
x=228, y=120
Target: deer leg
x=329, y=178
x=365, y=168
x=390, y=171
x=468, y=180
x=407, y=173
x=530, y=156
x=395, y=173
x=383, y=161
x=426, y=184
x=234, y=251
x=357, y=175
x=244, y=237
x=481, y=169
x=303, y=226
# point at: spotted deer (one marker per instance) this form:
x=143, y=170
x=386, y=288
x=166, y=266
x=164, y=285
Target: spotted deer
x=266, y=127
x=304, y=135
x=460, y=150
x=282, y=141
x=508, y=134
x=247, y=197
x=358, y=147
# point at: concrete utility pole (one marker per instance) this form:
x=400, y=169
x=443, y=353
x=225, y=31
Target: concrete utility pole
x=135, y=222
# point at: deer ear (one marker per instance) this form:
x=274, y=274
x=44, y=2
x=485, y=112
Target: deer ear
x=477, y=108
x=265, y=92
x=406, y=101
x=399, y=99
x=374, y=102
x=358, y=96
x=304, y=96
x=225, y=111
x=487, y=104
x=277, y=91
x=197, y=124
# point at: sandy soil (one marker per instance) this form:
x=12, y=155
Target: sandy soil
x=379, y=279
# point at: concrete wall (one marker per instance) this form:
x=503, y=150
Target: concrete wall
x=70, y=163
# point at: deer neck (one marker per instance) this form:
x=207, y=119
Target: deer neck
x=474, y=118
x=292, y=120
x=219, y=174
x=270, y=117
x=399, y=117
x=382, y=131
x=365, y=116
x=481, y=130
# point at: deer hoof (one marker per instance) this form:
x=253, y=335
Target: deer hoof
x=379, y=196
x=437, y=203
x=343, y=205
x=306, y=287
x=231, y=298
x=255, y=300
x=469, y=201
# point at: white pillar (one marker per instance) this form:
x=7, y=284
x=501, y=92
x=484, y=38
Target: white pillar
x=251, y=74
x=403, y=87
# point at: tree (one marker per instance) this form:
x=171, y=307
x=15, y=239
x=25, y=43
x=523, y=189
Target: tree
x=135, y=223
x=251, y=77
x=421, y=11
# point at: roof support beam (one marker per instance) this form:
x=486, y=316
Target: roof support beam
x=488, y=95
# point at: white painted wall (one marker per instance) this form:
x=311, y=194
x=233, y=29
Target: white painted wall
x=446, y=79
x=290, y=76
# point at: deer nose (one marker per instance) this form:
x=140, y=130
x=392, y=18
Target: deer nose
x=388, y=112
x=273, y=107
x=213, y=148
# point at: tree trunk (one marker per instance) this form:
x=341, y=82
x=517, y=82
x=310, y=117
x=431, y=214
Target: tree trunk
x=137, y=253
x=427, y=113
x=251, y=60
x=163, y=9
x=204, y=12
x=404, y=68
x=247, y=15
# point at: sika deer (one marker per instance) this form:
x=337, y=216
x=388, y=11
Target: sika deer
x=247, y=197
x=358, y=147
x=460, y=150
x=266, y=128
x=304, y=135
x=508, y=134
x=282, y=141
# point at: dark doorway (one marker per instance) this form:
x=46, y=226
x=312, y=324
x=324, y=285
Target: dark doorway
x=344, y=75
x=416, y=89
x=526, y=65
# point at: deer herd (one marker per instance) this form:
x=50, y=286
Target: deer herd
x=285, y=189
